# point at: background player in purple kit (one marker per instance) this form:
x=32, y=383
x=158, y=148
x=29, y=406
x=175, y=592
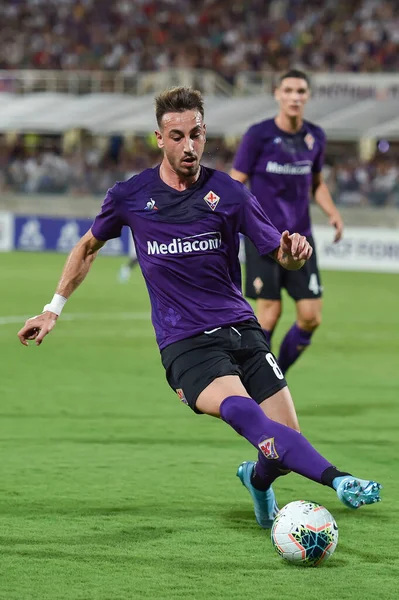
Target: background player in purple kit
x=282, y=159
x=186, y=221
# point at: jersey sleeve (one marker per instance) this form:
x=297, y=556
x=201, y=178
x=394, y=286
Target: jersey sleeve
x=318, y=163
x=247, y=153
x=108, y=223
x=256, y=225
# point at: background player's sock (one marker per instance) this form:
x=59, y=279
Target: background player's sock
x=276, y=441
x=126, y=270
x=124, y=273
x=268, y=335
x=292, y=346
x=132, y=262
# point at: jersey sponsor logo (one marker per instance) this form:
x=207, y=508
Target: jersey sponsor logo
x=150, y=205
x=300, y=168
x=212, y=200
x=277, y=140
x=268, y=448
x=212, y=240
x=309, y=141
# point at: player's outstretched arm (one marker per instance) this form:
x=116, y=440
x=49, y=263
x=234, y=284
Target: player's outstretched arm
x=75, y=270
x=293, y=252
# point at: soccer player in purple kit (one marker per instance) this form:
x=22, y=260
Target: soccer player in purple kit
x=186, y=221
x=282, y=159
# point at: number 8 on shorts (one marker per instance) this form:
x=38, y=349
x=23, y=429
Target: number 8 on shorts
x=272, y=362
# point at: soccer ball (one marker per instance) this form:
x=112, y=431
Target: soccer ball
x=304, y=533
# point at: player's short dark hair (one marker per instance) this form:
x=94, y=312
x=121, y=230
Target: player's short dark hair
x=295, y=74
x=178, y=99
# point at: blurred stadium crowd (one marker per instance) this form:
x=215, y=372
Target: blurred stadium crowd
x=35, y=164
x=224, y=35
x=227, y=36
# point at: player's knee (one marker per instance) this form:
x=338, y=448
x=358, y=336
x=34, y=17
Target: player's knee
x=289, y=420
x=309, y=321
x=292, y=423
x=235, y=409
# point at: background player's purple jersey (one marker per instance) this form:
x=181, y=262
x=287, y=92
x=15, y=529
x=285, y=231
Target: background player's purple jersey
x=187, y=246
x=280, y=166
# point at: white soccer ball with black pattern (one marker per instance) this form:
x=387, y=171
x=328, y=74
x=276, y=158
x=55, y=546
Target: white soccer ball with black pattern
x=304, y=533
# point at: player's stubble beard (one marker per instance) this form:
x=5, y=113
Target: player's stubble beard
x=186, y=171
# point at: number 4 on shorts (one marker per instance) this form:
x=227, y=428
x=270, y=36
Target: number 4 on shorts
x=314, y=284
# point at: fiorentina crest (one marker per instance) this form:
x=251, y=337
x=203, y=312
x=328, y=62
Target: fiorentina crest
x=181, y=395
x=268, y=448
x=309, y=141
x=212, y=200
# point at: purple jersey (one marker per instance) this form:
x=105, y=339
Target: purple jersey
x=187, y=245
x=280, y=166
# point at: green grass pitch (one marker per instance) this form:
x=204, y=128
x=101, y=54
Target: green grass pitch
x=113, y=490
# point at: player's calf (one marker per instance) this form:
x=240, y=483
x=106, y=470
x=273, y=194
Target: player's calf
x=292, y=451
x=294, y=343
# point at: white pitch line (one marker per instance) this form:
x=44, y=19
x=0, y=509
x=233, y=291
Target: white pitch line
x=116, y=316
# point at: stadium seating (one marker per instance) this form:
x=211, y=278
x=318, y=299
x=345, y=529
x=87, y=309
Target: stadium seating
x=241, y=42
x=228, y=36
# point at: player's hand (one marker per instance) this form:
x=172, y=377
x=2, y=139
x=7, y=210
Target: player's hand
x=337, y=222
x=37, y=328
x=295, y=246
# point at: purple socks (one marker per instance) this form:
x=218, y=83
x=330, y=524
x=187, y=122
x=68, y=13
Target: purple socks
x=265, y=472
x=283, y=447
x=292, y=346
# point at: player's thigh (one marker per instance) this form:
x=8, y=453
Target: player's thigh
x=305, y=284
x=193, y=364
x=261, y=375
x=280, y=407
x=212, y=396
x=263, y=276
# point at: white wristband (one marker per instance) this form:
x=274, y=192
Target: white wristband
x=56, y=305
